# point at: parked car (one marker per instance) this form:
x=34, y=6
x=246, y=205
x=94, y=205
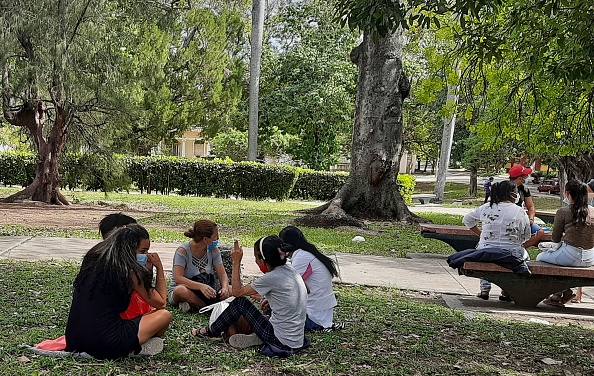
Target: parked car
x=550, y=185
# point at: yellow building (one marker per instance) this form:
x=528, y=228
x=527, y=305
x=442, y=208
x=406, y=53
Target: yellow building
x=191, y=144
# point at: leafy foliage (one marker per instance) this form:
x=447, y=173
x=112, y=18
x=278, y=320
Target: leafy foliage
x=308, y=83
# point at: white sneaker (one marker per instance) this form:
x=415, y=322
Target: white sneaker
x=152, y=347
x=241, y=341
x=184, y=306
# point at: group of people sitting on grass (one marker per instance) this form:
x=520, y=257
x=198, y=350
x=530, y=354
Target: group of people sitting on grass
x=508, y=227
x=120, y=293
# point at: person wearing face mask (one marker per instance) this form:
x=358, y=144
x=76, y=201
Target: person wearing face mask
x=505, y=226
x=284, y=333
x=574, y=231
x=137, y=306
x=102, y=290
x=194, y=264
x=518, y=174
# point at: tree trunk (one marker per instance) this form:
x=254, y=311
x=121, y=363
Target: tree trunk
x=258, y=8
x=449, y=124
x=371, y=190
x=473, y=187
x=46, y=185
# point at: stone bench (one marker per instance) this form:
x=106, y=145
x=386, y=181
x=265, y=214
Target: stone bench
x=458, y=237
x=547, y=217
x=422, y=198
x=528, y=290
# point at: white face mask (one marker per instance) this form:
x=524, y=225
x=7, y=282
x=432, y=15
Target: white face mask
x=566, y=201
x=516, y=197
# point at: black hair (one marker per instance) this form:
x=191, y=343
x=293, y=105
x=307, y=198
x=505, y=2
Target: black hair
x=273, y=251
x=114, y=220
x=293, y=236
x=502, y=191
x=113, y=261
x=579, y=207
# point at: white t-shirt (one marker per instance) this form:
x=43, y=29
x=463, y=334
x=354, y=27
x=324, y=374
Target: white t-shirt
x=505, y=225
x=321, y=299
x=286, y=293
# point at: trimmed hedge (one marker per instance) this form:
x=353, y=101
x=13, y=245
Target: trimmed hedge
x=198, y=177
x=318, y=185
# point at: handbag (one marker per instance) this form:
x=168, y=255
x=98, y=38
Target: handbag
x=217, y=309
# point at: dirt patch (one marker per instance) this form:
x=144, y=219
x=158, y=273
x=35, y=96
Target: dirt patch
x=37, y=214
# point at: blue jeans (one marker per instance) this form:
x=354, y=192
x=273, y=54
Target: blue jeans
x=310, y=325
x=568, y=255
x=534, y=228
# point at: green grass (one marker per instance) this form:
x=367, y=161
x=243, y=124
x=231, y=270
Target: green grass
x=459, y=192
x=386, y=334
x=166, y=218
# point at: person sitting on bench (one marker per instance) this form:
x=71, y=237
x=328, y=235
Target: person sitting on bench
x=574, y=231
x=518, y=174
x=505, y=226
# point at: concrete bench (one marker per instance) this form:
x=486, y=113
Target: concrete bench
x=547, y=217
x=458, y=237
x=422, y=198
x=529, y=290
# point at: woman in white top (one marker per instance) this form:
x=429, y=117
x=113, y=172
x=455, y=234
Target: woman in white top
x=317, y=271
x=505, y=225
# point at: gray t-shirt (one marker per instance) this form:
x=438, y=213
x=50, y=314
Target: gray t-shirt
x=191, y=270
x=286, y=293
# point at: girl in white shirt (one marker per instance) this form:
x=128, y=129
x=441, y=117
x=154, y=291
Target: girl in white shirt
x=317, y=270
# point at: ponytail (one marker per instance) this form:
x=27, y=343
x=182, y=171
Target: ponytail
x=293, y=236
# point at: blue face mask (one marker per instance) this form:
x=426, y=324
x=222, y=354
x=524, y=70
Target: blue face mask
x=566, y=201
x=212, y=246
x=142, y=258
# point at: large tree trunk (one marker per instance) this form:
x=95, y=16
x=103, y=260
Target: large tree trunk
x=46, y=185
x=371, y=190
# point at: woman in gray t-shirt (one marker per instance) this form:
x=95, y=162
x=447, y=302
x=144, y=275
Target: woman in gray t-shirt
x=194, y=264
x=282, y=334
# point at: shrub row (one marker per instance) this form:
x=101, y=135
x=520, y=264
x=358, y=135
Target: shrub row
x=184, y=176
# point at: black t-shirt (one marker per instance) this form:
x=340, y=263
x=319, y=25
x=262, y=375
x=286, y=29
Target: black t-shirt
x=524, y=192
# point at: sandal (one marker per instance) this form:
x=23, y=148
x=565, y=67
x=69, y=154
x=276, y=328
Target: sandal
x=483, y=295
x=504, y=297
x=567, y=296
x=204, y=333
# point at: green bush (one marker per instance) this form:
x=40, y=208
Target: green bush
x=211, y=178
x=17, y=168
x=318, y=185
x=406, y=186
x=197, y=177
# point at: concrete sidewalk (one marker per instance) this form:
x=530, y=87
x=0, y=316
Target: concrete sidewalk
x=423, y=272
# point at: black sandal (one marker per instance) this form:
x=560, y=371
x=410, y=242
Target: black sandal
x=483, y=295
x=504, y=297
x=198, y=333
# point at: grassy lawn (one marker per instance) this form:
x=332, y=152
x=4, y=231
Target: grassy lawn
x=385, y=334
x=166, y=218
x=459, y=191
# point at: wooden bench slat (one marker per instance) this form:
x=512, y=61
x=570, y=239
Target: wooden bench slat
x=537, y=268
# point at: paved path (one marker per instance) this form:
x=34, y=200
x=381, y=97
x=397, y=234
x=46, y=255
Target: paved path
x=422, y=273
